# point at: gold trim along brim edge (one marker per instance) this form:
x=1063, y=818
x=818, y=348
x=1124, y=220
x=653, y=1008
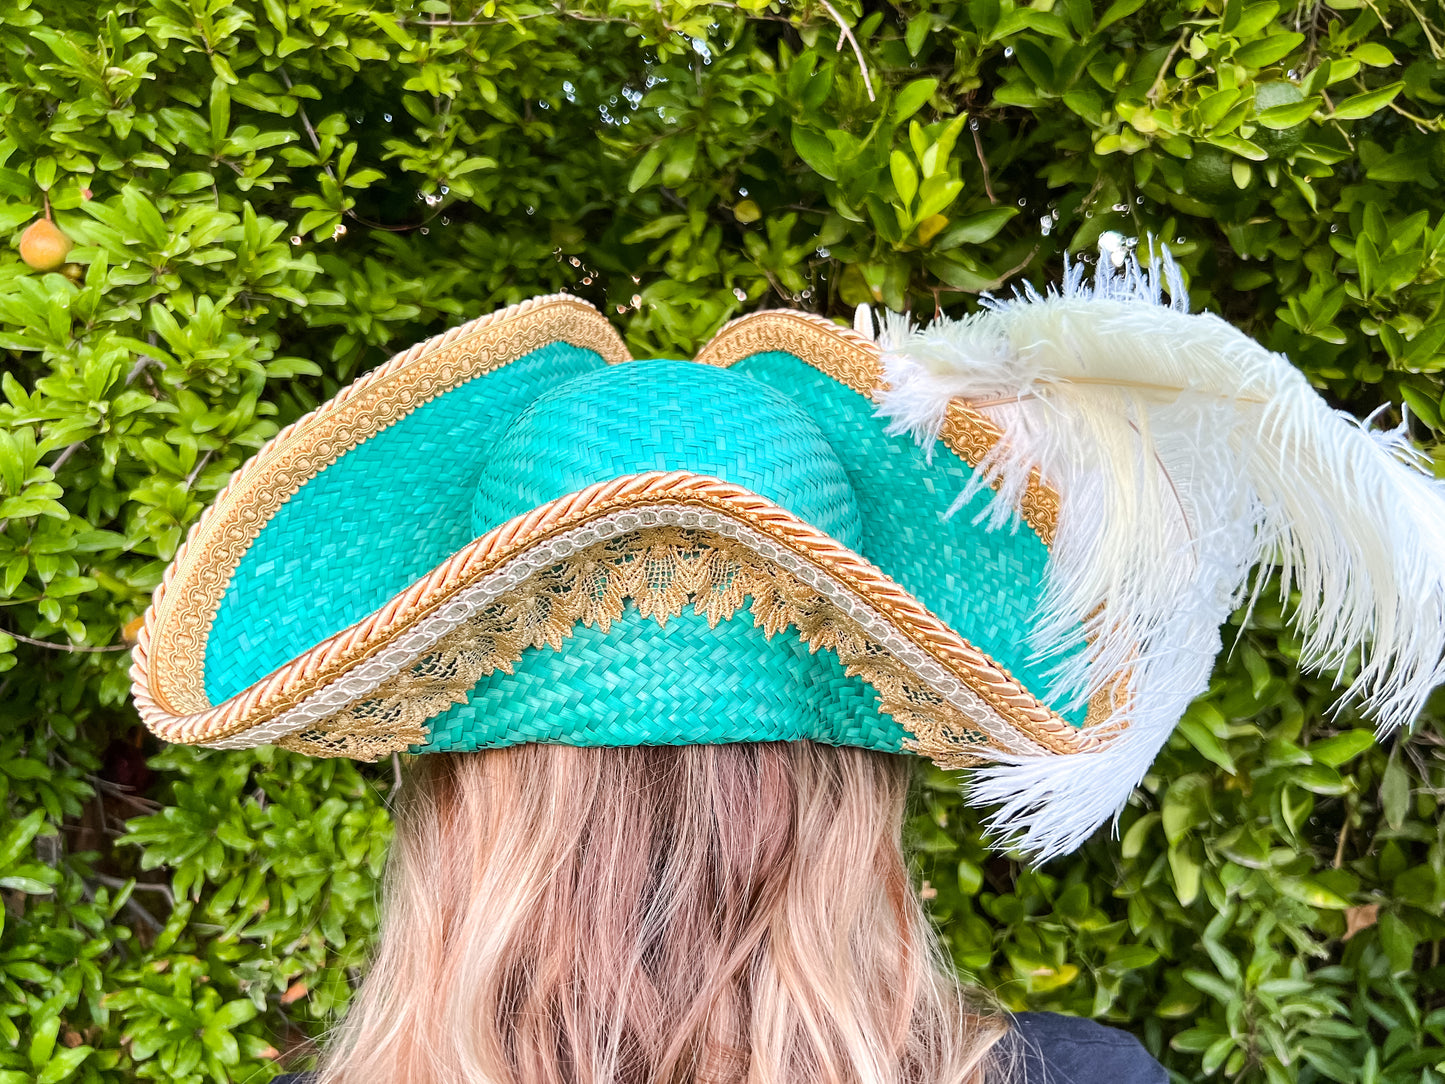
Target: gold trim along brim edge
x=340, y=654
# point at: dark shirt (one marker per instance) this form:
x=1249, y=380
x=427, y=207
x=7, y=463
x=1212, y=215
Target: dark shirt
x=1046, y=1048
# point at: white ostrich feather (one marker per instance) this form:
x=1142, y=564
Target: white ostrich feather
x=1184, y=454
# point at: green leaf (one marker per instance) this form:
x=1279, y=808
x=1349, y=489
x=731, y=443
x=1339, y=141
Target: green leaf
x=63, y=1064
x=1195, y=732
x=905, y=177
x=1374, y=54
x=917, y=32
x=1266, y=51
x=1281, y=117
x=1309, y=891
x=815, y=149
x=645, y=168
x=1398, y=941
x=912, y=97
x=42, y=1039
x=1342, y=748
x=1395, y=792
x=681, y=155
x=974, y=229
x=1119, y=9
x=220, y=109
x=1368, y=104
x=233, y=1014
x=389, y=26
x=1186, y=873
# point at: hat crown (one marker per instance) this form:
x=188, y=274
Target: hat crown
x=666, y=416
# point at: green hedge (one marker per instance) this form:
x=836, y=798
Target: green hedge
x=270, y=196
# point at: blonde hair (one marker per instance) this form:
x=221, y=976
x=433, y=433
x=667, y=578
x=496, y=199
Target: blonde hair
x=730, y=914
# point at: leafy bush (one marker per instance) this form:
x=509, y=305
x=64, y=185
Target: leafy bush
x=267, y=197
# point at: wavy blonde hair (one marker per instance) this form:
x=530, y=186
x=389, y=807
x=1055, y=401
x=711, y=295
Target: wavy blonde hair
x=726, y=914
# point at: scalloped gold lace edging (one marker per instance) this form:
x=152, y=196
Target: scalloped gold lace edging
x=661, y=570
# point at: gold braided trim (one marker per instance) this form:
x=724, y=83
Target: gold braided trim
x=185, y=603
x=292, y=683
x=853, y=360
x=663, y=570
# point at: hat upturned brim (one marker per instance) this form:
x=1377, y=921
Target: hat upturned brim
x=514, y=532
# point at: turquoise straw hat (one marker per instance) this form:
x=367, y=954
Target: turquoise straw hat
x=514, y=532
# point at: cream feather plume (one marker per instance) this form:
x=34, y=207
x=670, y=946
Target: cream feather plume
x=1185, y=454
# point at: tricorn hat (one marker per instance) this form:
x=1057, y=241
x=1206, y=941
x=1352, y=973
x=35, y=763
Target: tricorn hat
x=1006, y=542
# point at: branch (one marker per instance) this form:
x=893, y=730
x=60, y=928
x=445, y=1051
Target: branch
x=69, y=450
x=857, y=50
x=144, y=362
x=63, y=647
x=982, y=161
x=199, y=467
x=137, y=886
x=1153, y=94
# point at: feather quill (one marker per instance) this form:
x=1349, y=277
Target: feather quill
x=1185, y=455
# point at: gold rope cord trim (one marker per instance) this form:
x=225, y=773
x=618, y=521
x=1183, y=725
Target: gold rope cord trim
x=185, y=604
x=853, y=360
x=662, y=570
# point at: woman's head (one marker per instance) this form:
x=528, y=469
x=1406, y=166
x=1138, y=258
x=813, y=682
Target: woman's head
x=656, y=915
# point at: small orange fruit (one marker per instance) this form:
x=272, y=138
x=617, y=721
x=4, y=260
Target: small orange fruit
x=43, y=246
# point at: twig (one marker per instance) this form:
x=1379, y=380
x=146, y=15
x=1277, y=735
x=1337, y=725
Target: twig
x=1344, y=133
x=1380, y=15
x=778, y=286
x=1340, y=846
x=1153, y=92
x=1425, y=123
x=305, y=120
x=559, y=9
x=982, y=161
x=996, y=282
x=145, y=916
x=1091, y=193
x=63, y=647
x=199, y=467
x=66, y=453
x=857, y=49
x=120, y=792
x=144, y=362
x=138, y=886
x=1425, y=29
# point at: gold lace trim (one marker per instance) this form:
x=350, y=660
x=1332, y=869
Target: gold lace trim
x=661, y=570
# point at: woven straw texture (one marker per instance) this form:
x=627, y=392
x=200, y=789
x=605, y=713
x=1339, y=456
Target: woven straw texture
x=986, y=584
x=666, y=415
x=371, y=524
x=682, y=683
